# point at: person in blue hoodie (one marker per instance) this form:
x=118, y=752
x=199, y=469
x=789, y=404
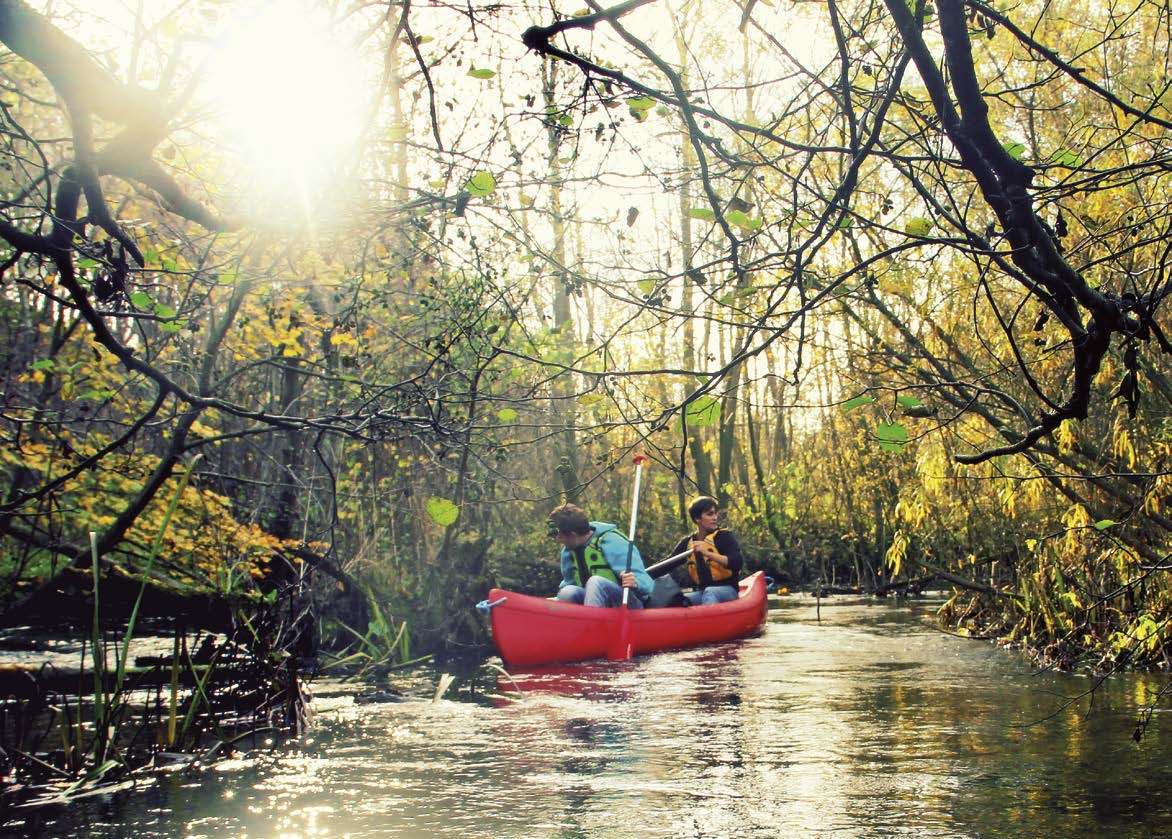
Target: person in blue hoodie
x=594, y=561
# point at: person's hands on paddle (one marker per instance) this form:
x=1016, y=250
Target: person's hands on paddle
x=708, y=551
x=627, y=580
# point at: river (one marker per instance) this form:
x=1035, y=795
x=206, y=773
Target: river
x=855, y=719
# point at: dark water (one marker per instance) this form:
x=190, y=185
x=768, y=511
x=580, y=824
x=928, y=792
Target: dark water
x=867, y=724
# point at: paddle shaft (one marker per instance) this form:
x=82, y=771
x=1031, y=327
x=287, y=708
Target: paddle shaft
x=664, y=565
x=634, y=518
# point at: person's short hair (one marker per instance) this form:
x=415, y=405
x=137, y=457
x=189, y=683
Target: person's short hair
x=568, y=518
x=701, y=504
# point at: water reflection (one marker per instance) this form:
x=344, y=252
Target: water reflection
x=867, y=723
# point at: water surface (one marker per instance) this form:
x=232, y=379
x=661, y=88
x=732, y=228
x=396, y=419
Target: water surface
x=868, y=722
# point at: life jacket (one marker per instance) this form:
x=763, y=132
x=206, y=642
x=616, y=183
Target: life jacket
x=591, y=562
x=705, y=573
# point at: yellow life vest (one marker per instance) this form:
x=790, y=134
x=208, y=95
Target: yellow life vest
x=714, y=571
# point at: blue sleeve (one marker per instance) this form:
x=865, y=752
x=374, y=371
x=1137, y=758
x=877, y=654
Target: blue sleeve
x=567, y=570
x=615, y=551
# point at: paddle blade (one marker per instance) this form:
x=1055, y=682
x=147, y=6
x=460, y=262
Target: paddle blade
x=621, y=646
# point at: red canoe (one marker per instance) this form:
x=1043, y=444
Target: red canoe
x=532, y=631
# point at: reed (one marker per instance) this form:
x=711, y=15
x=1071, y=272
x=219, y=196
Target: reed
x=380, y=649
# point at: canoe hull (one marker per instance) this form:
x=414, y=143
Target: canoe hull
x=530, y=631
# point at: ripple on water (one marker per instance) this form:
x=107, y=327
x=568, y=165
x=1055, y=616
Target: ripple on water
x=867, y=723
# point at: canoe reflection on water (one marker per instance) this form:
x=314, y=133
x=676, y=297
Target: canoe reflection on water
x=589, y=680
x=705, y=669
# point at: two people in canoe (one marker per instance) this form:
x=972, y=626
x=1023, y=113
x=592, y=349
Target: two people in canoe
x=595, y=558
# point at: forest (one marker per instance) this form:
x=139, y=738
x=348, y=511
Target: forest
x=313, y=310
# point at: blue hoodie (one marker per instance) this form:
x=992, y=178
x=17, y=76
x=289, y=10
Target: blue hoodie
x=614, y=550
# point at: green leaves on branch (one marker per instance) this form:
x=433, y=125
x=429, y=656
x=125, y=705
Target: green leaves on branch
x=892, y=436
x=441, y=511
x=1067, y=158
x=1014, y=150
x=918, y=226
x=741, y=220
x=737, y=218
x=701, y=412
x=481, y=184
x=142, y=300
x=640, y=106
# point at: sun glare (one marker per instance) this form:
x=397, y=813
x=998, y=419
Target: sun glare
x=292, y=97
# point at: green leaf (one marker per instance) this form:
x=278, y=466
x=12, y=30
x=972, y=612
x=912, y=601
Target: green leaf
x=858, y=401
x=892, y=436
x=702, y=213
x=142, y=300
x=641, y=103
x=918, y=226
x=44, y=364
x=702, y=411
x=164, y=311
x=1103, y=524
x=1014, y=150
x=506, y=414
x=1065, y=157
x=442, y=511
x=646, y=286
x=908, y=401
x=481, y=74
x=481, y=184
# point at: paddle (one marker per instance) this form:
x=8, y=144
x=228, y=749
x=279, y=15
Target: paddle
x=622, y=648
x=664, y=565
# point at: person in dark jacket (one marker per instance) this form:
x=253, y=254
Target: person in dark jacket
x=594, y=561
x=715, y=562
